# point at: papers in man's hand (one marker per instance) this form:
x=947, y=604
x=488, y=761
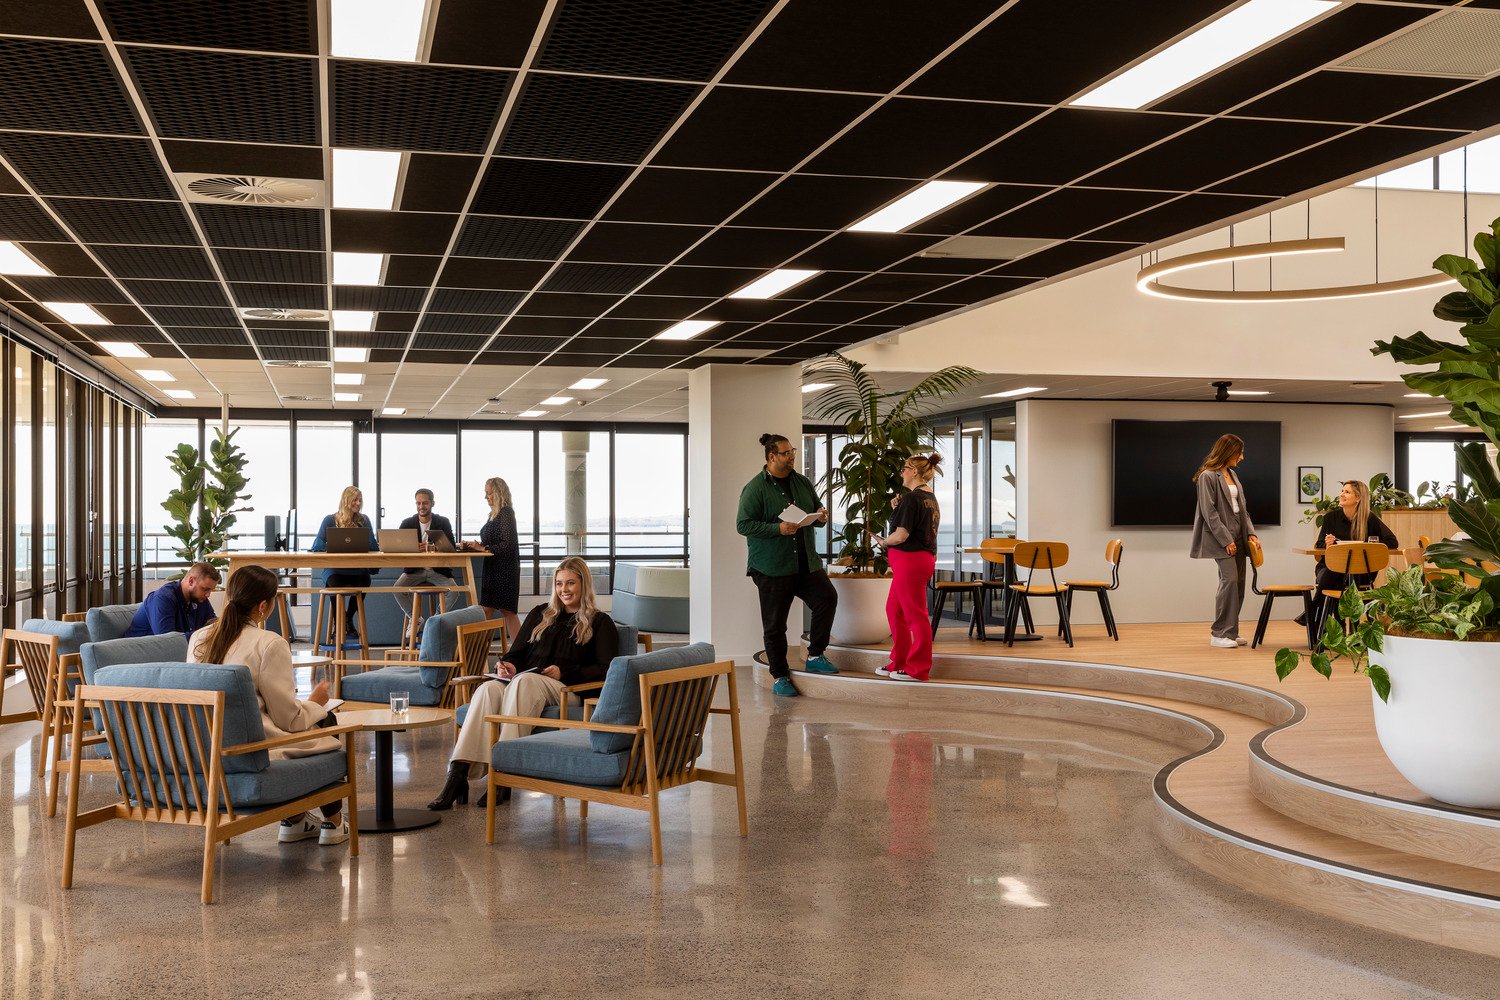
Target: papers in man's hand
x=796, y=515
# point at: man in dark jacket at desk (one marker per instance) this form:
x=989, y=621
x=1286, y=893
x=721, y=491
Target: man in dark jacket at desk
x=430, y=527
x=180, y=606
x=784, y=560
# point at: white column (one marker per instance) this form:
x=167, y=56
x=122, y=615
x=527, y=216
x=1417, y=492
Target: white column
x=729, y=408
x=575, y=447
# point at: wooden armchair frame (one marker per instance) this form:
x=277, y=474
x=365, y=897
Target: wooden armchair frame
x=48, y=675
x=675, y=707
x=166, y=720
x=463, y=673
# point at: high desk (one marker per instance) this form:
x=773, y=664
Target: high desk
x=360, y=560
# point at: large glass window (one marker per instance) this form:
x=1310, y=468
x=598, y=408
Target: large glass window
x=1003, y=476
x=46, y=517
x=813, y=459
x=650, y=484
x=23, y=466
x=325, y=465
x=266, y=444
x=409, y=462
x=507, y=454
x=159, y=439
x=573, y=469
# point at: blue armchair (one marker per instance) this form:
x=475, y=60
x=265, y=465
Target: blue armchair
x=47, y=650
x=629, y=642
x=453, y=643
x=110, y=621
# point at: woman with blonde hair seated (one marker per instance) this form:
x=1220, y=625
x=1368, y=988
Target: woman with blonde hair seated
x=347, y=516
x=564, y=642
x=237, y=637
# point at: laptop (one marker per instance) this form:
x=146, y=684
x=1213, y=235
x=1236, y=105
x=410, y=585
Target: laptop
x=399, y=539
x=441, y=542
x=348, y=539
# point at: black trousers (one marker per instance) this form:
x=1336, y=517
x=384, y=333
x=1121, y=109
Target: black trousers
x=342, y=579
x=776, y=596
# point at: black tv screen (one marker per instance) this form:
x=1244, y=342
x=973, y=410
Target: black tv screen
x=1154, y=462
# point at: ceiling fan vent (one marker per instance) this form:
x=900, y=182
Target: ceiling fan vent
x=298, y=364
x=251, y=189
x=308, y=399
x=304, y=315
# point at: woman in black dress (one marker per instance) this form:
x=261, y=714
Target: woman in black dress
x=500, y=579
x=1351, y=521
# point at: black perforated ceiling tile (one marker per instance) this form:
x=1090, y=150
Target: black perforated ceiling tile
x=253, y=296
x=474, y=300
x=185, y=263
x=863, y=251
x=217, y=95
x=815, y=202
x=1176, y=217
x=66, y=260
x=592, y=118
x=512, y=359
x=1067, y=144
x=970, y=290
x=753, y=310
x=701, y=281
x=309, y=353
x=389, y=357
x=909, y=312
x=377, y=341
x=536, y=239
x=167, y=351
x=916, y=138
x=888, y=287
x=222, y=336
x=675, y=39
x=126, y=222
x=23, y=219
x=942, y=265
x=259, y=326
x=1348, y=156
x=567, y=304
x=1060, y=259
x=525, y=344
x=659, y=307
x=89, y=290
x=484, y=33
x=1470, y=109
x=55, y=19
x=133, y=334
x=244, y=158
x=545, y=326
x=1211, y=152
x=702, y=197
x=751, y=247
x=178, y=293
x=431, y=341
x=477, y=272
x=10, y=184
x=62, y=86
x=87, y=166
x=122, y=315
x=827, y=311
x=742, y=129
x=290, y=338
x=1070, y=212
x=409, y=270
x=378, y=298
x=625, y=329
x=438, y=182
x=258, y=227
x=193, y=316
x=631, y=243
x=1348, y=97
x=260, y=25
x=391, y=232
x=439, y=109
x=272, y=266
x=598, y=278
x=545, y=189
x=395, y=322
x=455, y=323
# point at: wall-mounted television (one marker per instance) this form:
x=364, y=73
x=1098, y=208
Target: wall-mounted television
x=1154, y=462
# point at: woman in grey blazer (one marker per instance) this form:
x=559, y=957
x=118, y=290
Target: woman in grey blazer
x=1221, y=532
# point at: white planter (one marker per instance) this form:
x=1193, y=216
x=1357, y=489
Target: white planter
x=861, y=615
x=1439, y=727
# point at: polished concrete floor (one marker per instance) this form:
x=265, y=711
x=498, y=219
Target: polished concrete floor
x=892, y=854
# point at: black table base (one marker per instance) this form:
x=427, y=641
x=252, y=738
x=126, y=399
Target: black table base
x=384, y=818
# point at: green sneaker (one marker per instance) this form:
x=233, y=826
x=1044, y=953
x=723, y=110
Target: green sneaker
x=820, y=665
x=783, y=688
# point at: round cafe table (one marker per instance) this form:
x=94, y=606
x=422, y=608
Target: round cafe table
x=382, y=722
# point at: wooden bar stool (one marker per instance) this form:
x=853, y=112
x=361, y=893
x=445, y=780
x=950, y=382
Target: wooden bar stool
x=1350, y=559
x=437, y=599
x=1113, y=549
x=1035, y=557
x=1272, y=591
x=328, y=631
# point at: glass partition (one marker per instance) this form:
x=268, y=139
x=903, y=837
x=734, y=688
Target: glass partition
x=24, y=465
x=1003, y=476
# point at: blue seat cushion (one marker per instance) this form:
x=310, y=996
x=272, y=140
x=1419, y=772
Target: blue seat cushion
x=620, y=698
x=241, y=717
x=110, y=622
x=561, y=756
x=70, y=635
x=440, y=644
x=377, y=685
x=285, y=780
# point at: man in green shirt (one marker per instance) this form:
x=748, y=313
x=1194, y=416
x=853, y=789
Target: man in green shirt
x=784, y=560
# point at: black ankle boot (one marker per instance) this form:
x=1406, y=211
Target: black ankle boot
x=484, y=797
x=456, y=789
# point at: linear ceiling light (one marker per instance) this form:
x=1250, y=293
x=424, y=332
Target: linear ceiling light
x=1016, y=392
x=773, y=283
x=687, y=329
x=14, y=260
x=77, y=312
x=348, y=355
x=348, y=378
x=353, y=320
x=365, y=178
x=1242, y=30
x=586, y=384
x=156, y=375
x=180, y=393
x=122, y=349
x=351, y=268
x=816, y=386
x=347, y=397
x=1248, y=392
x=377, y=29
x=1454, y=427
x=1414, y=416
x=927, y=200
x=556, y=401
x=1417, y=395
x=532, y=413
x=393, y=411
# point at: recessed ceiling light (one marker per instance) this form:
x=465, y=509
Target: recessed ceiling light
x=1241, y=30
x=816, y=386
x=1367, y=385
x=585, y=384
x=347, y=397
x=687, y=329
x=353, y=320
x=1016, y=392
x=365, y=178
x=1414, y=416
x=180, y=393
x=392, y=411
x=156, y=375
x=1418, y=395
x=1248, y=392
x=121, y=349
x=1454, y=427
x=929, y=199
x=556, y=401
x=351, y=268
x=531, y=413
x=351, y=355
x=77, y=312
x=773, y=283
x=14, y=260
x=377, y=29
x=348, y=378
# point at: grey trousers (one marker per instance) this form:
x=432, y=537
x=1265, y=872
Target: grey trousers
x=421, y=578
x=1231, y=594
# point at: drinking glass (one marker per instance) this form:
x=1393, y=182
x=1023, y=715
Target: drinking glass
x=1373, y=538
x=400, y=702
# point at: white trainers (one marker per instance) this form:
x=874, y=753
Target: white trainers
x=1223, y=642
x=329, y=834
x=298, y=828
x=902, y=675
x=1241, y=642
x=886, y=670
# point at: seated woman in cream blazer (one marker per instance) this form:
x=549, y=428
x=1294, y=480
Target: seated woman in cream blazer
x=237, y=637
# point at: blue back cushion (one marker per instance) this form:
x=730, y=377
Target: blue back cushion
x=630, y=639
x=440, y=642
x=169, y=648
x=620, y=698
x=110, y=622
x=242, y=722
x=70, y=635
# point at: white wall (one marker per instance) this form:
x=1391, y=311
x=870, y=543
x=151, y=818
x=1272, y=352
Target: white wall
x=1064, y=454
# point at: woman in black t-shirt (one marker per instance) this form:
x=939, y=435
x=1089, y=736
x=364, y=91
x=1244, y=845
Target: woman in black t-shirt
x=911, y=547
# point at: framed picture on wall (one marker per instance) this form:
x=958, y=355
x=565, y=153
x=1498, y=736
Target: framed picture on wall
x=1309, y=483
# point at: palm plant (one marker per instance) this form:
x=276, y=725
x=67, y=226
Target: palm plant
x=885, y=428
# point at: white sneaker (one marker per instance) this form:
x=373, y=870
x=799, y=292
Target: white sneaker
x=886, y=670
x=902, y=675
x=1221, y=642
x=298, y=828
x=1241, y=642
x=328, y=834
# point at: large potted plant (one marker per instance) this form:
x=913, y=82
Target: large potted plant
x=1422, y=639
x=202, y=506
x=884, y=428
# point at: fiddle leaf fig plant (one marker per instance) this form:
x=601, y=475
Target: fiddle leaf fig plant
x=202, y=506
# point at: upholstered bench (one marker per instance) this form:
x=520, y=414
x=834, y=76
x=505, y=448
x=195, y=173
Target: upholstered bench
x=652, y=598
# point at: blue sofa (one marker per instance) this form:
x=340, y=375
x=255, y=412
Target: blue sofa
x=652, y=598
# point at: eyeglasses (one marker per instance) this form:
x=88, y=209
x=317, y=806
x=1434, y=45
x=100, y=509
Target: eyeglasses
x=786, y=454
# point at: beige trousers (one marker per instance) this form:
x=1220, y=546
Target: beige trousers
x=527, y=695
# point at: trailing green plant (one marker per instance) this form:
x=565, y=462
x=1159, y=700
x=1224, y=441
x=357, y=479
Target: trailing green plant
x=1384, y=496
x=885, y=428
x=1320, y=507
x=202, y=506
